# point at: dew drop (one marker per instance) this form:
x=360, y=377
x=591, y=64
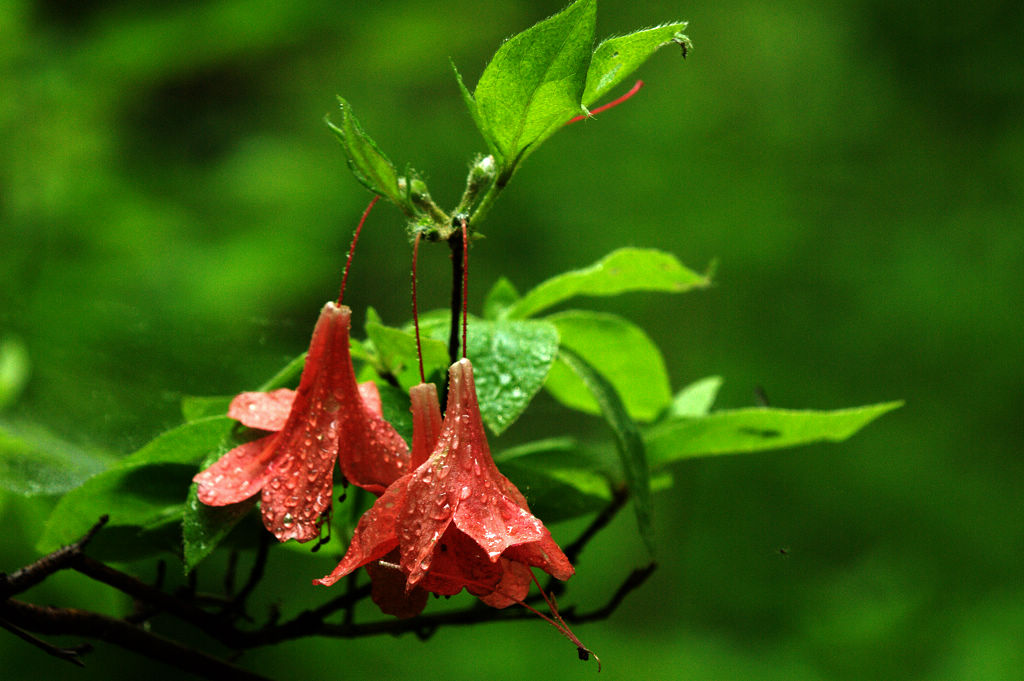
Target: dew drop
x=464, y=494
x=287, y=520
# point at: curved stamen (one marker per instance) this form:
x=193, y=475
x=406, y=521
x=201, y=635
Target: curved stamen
x=615, y=102
x=352, y=247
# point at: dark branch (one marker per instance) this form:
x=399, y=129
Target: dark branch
x=456, y=245
x=20, y=618
x=66, y=621
x=69, y=654
x=30, y=575
x=573, y=550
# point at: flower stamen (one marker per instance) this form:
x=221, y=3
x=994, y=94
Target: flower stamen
x=352, y=246
x=604, y=107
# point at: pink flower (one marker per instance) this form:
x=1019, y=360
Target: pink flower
x=329, y=417
x=456, y=521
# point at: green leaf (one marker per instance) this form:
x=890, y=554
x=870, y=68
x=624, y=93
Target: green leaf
x=34, y=461
x=195, y=407
x=557, y=493
x=626, y=269
x=534, y=83
x=365, y=159
x=628, y=442
x=14, y=370
x=204, y=527
x=396, y=350
x=697, y=398
x=754, y=429
x=394, y=404
x=142, y=491
x=616, y=58
x=559, y=481
x=621, y=352
x=545, y=446
x=511, y=359
x=501, y=296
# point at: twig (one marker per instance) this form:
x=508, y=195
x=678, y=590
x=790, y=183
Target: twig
x=619, y=499
x=255, y=575
x=66, y=621
x=69, y=654
x=30, y=575
x=481, y=615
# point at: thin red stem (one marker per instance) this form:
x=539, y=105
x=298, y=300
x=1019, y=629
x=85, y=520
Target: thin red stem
x=415, y=309
x=465, y=285
x=352, y=247
x=615, y=102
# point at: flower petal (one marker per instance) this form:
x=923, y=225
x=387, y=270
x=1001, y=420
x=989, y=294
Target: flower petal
x=238, y=474
x=426, y=422
x=372, y=454
x=265, y=411
x=303, y=464
x=425, y=516
x=457, y=564
x=496, y=523
x=544, y=554
x=513, y=587
x=371, y=398
x=388, y=588
x=375, y=535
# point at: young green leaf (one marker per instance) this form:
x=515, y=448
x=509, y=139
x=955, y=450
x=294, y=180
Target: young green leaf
x=616, y=58
x=365, y=159
x=754, y=429
x=697, y=398
x=628, y=442
x=623, y=354
x=467, y=97
x=396, y=350
x=143, y=490
x=501, y=296
x=622, y=270
x=534, y=83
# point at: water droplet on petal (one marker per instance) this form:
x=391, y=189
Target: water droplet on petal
x=288, y=520
x=464, y=494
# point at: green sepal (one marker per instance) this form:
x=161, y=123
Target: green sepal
x=365, y=159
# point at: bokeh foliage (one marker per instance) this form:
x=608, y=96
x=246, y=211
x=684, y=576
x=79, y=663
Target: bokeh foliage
x=173, y=213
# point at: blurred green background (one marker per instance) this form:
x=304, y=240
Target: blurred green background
x=173, y=213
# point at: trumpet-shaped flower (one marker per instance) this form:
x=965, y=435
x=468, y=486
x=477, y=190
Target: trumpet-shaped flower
x=456, y=521
x=328, y=418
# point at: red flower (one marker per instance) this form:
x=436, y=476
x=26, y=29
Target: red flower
x=456, y=521
x=329, y=417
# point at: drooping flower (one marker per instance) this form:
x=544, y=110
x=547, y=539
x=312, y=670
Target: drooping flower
x=456, y=521
x=328, y=418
